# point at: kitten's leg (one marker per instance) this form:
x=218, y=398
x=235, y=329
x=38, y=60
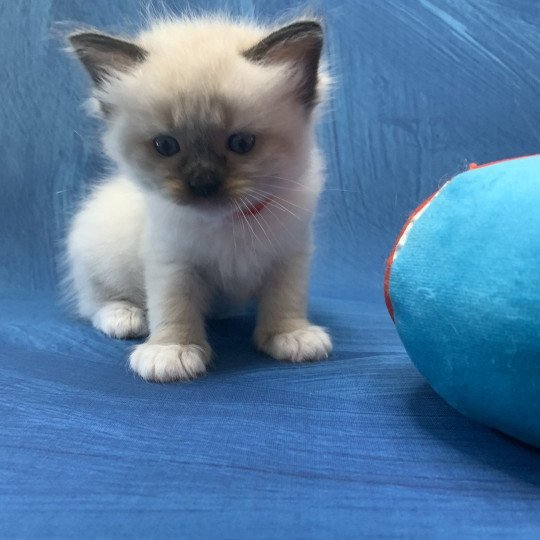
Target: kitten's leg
x=177, y=347
x=283, y=330
x=120, y=320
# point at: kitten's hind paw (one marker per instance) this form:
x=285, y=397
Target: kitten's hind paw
x=166, y=363
x=121, y=320
x=302, y=345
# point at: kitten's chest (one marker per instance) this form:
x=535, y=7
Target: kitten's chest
x=238, y=256
x=235, y=255
x=237, y=260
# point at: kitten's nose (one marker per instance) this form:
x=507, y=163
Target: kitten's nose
x=204, y=183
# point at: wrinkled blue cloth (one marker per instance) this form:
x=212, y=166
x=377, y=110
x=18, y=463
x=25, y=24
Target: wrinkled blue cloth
x=355, y=446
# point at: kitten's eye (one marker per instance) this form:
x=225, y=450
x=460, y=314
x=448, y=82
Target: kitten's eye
x=166, y=145
x=241, y=143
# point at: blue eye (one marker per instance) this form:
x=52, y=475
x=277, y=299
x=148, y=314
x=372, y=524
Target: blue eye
x=166, y=145
x=241, y=143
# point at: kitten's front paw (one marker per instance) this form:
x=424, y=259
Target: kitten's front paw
x=302, y=345
x=165, y=363
x=121, y=320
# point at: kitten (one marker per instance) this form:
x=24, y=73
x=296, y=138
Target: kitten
x=211, y=125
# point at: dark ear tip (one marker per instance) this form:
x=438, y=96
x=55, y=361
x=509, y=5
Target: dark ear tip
x=77, y=39
x=311, y=26
x=74, y=38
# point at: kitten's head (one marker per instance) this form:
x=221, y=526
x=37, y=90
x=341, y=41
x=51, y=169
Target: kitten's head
x=208, y=113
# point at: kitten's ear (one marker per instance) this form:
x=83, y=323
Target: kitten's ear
x=299, y=43
x=104, y=55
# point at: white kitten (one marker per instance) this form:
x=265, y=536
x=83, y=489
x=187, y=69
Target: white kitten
x=211, y=126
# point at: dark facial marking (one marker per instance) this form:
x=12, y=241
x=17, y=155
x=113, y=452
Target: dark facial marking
x=299, y=43
x=204, y=171
x=102, y=55
x=204, y=182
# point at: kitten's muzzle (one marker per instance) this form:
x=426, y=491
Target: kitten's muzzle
x=204, y=183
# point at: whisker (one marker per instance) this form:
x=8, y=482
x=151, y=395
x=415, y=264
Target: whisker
x=303, y=187
x=256, y=217
x=279, y=178
x=273, y=195
x=279, y=206
x=284, y=179
x=278, y=220
x=254, y=235
x=310, y=190
x=241, y=221
x=234, y=234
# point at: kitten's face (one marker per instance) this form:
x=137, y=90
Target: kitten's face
x=211, y=115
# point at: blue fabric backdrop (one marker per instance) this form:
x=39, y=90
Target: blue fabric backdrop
x=358, y=445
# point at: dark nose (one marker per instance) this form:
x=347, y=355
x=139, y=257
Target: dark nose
x=204, y=183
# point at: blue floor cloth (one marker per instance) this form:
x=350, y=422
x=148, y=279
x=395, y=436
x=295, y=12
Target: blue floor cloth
x=357, y=446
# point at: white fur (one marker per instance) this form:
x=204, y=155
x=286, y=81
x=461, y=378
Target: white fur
x=121, y=320
x=169, y=362
x=131, y=250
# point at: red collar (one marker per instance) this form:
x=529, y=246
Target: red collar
x=254, y=209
